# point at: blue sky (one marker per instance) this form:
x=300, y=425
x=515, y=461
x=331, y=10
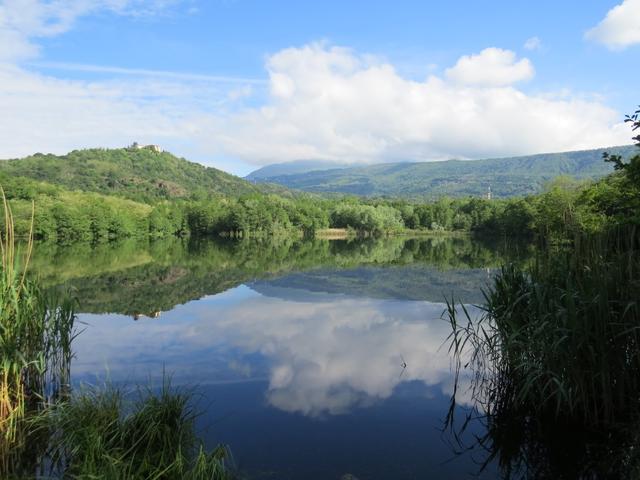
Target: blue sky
x=239, y=84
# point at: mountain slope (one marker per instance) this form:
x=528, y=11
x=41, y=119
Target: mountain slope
x=138, y=174
x=506, y=176
x=289, y=168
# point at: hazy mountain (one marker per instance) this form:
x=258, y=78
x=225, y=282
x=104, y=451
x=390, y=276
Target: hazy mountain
x=506, y=176
x=300, y=166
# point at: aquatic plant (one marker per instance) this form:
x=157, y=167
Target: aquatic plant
x=36, y=331
x=103, y=433
x=556, y=361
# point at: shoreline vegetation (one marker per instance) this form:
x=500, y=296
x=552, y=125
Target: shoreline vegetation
x=48, y=430
x=349, y=233
x=554, y=361
x=67, y=217
x=554, y=357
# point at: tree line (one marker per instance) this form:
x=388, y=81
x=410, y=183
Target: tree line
x=63, y=215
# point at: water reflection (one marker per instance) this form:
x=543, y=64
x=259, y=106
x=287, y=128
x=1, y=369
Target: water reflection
x=296, y=346
x=144, y=278
x=324, y=357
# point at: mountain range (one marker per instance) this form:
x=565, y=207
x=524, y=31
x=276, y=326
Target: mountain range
x=506, y=177
x=301, y=166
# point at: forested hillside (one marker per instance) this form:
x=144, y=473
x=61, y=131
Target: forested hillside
x=138, y=174
x=507, y=177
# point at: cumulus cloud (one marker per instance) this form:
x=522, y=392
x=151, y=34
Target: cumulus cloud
x=533, y=43
x=492, y=67
x=329, y=102
x=620, y=28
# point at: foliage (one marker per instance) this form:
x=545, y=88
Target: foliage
x=36, y=331
x=167, y=196
x=137, y=174
x=556, y=358
x=366, y=218
x=97, y=433
x=66, y=216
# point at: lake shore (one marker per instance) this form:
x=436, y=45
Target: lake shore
x=345, y=233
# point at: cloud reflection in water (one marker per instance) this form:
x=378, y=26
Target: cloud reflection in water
x=320, y=358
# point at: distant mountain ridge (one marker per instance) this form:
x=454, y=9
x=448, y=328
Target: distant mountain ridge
x=300, y=166
x=511, y=176
x=141, y=174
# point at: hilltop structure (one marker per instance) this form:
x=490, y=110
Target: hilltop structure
x=153, y=148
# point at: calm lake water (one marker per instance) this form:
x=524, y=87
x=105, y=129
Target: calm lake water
x=295, y=349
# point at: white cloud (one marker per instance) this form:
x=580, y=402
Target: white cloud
x=492, y=67
x=46, y=114
x=533, y=43
x=328, y=102
x=620, y=28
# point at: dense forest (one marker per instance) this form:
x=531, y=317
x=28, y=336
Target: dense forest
x=173, y=197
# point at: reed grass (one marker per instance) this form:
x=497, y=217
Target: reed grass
x=556, y=360
x=101, y=433
x=36, y=331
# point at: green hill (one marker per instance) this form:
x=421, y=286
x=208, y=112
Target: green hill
x=506, y=176
x=138, y=174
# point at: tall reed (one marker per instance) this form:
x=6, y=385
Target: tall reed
x=556, y=359
x=36, y=331
x=104, y=433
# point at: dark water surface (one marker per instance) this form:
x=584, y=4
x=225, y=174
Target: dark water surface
x=295, y=349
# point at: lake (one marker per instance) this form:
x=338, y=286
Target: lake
x=309, y=359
